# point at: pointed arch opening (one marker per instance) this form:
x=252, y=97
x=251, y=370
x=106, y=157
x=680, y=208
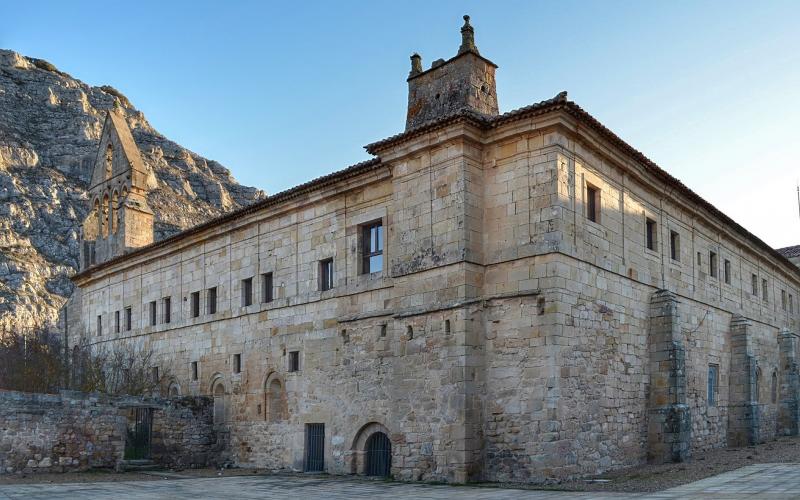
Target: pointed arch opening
x=104, y=217
x=114, y=212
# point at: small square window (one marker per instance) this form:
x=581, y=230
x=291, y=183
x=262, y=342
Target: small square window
x=727, y=271
x=116, y=322
x=650, y=234
x=294, y=361
x=326, y=274
x=167, y=305
x=675, y=246
x=195, y=304
x=247, y=292
x=266, y=287
x=153, y=312
x=128, y=319
x=592, y=203
x=237, y=363
x=194, y=370
x=712, y=264
x=211, y=300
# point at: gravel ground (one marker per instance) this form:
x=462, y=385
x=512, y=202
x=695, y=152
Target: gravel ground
x=643, y=478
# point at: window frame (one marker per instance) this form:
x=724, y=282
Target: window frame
x=194, y=304
x=675, y=246
x=754, y=284
x=195, y=371
x=128, y=318
x=117, y=322
x=166, y=307
x=713, y=264
x=236, y=364
x=211, y=300
x=152, y=309
x=764, y=290
x=650, y=234
x=293, y=361
x=367, y=251
x=726, y=271
x=592, y=212
x=247, y=291
x=99, y=325
x=326, y=274
x=267, y=287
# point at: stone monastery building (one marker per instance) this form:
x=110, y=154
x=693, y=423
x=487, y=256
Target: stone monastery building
x=503, y=297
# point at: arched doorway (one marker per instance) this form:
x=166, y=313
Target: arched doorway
x=220, y=397
x=378, y=455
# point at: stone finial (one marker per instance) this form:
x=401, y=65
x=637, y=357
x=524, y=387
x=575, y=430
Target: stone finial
x=467, y=38
x=416, y=64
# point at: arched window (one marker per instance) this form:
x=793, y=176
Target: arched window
x=774, y=391
x=275, y=400
x=114, y=212
x=98, y=220
x=104, y=216
x=174, y=390
x=109, y=161
x=220, y=406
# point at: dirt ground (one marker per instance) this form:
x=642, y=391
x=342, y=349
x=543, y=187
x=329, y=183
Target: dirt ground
x=643, y=478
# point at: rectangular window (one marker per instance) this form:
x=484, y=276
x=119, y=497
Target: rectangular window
x=783, y=299
x=167, y=301
x=294, y=361
x=675, y=246
x=650, y=233
x=237, y=363
x=116, y=321
x=727, y=271
x=195, y=304
x=372, y=248
x=128, y=319
x=791, y=303
x=99, y=325
x=699, y=259
x=266, y=287
x=592, y=203
x=154, y=374
x=194, y=370
x=326, y=274
x=754, y=285
x=713, y=384
x=712, y=264
x=211, y=300
x=247, y=292
x=153, y=312
x=764, y=290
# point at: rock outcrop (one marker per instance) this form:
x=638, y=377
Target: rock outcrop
x=50, y=125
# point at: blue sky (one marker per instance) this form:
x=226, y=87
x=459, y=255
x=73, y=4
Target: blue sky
x=284, y=92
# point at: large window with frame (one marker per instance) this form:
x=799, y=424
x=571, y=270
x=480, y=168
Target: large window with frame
x=372, y=248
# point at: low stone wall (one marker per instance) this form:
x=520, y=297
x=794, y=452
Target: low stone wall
x=73, y=431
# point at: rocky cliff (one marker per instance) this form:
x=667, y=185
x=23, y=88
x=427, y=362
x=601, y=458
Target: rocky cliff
x=50, y=126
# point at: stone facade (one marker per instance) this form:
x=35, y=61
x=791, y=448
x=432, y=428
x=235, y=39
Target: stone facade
x=547, y=303
x=74, y=431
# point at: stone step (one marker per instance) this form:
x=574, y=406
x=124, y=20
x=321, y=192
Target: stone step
x=138, y=465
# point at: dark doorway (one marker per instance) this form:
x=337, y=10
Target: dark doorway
x=315, y=448
x=137, y=439
x=378, y=455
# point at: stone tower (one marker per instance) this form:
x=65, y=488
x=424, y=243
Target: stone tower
x=120, y=219
x=465, y=81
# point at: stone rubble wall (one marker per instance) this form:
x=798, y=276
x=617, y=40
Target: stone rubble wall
x=73, y=431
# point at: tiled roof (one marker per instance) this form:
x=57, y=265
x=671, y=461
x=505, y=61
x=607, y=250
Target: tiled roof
x=789, y=252
x=288, y=194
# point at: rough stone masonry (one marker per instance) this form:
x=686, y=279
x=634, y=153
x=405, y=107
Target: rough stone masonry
x=504, y=297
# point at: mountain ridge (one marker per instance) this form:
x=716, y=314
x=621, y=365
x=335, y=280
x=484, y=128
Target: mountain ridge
x=50, y=125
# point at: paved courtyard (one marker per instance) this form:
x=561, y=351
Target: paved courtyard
x=770, y=481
